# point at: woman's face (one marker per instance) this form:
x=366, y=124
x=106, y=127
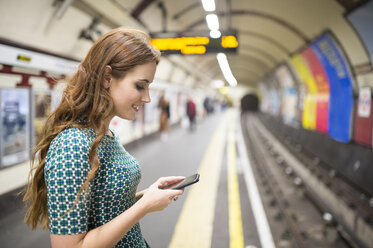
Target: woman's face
x=132, y=91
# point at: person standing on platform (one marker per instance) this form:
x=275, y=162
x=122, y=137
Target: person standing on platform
x=191, y=112
x=83, y=182
x=164, y=126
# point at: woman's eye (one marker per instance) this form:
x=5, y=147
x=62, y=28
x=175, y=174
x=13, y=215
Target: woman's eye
x=139, y=87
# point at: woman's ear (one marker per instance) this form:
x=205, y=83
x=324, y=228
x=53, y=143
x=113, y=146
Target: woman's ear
x=107, y=77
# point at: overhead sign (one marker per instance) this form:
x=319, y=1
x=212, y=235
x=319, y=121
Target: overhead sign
x=196, y=45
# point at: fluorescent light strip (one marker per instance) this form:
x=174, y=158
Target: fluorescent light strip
x=208, y=5
x=212, y=21
x=226, y=70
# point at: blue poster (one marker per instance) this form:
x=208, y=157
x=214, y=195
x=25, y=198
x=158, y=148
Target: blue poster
x=341, y=100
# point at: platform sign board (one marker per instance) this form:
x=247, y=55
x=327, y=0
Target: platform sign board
x=341, y=102
x=322, y=89
x=310, y=98
x=15, y=126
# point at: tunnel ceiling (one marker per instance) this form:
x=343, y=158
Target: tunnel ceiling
x=269, y=31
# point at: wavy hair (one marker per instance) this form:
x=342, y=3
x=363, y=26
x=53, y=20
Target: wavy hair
x=85, y=98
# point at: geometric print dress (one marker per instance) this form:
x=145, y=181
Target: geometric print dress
x=111, y=192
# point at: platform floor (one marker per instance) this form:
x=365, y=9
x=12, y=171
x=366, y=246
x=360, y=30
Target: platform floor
x=216, y=212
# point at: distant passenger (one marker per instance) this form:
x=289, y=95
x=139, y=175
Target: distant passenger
x=191, y=112
x=206, y=107
x=83, y=183
x=164, y=117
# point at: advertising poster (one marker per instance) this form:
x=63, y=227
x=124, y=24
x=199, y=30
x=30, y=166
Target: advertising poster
x=275, y=101
x=364, y=104
x=264, y=98
x=275, y=95
x=310, y=99
x=322, y=87
x=341, y=102
x=15, y=126
x=289, y=94
x=364, y=118
x=42, y=109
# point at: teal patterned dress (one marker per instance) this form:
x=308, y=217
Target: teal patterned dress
x=112, y=191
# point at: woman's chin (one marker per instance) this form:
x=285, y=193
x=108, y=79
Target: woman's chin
x=128, y=117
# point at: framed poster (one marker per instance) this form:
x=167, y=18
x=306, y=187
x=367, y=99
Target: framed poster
x=42, y=105
x=15, y=126
x=341, y=87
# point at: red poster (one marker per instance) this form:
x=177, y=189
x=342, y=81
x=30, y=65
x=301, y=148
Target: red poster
x=322, y=85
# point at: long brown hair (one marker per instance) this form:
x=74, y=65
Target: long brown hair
x=85, y=98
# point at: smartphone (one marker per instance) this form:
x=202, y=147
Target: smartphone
x=187, y=181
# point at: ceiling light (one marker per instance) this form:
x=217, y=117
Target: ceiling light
x=226, y=70
x=215, y=34
x=212, y=22
x=208, y=5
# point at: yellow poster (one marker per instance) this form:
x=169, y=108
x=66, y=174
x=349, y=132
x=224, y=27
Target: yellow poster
x=310, y=100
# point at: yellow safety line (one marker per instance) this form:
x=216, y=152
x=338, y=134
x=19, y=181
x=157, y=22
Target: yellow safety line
x=194, y=227
x=235, y=219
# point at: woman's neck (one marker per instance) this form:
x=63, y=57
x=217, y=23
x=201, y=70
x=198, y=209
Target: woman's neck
x=106, y=124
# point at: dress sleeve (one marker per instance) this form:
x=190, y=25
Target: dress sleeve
x=66, y=169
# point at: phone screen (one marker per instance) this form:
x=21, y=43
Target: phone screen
x=187, y=181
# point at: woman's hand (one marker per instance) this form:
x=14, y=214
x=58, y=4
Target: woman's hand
x=155, y=198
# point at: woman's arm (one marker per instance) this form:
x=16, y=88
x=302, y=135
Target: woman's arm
x=140, y=194
x=109, y=234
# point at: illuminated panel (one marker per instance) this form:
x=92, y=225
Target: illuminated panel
x=195, y=45
x=229, y=41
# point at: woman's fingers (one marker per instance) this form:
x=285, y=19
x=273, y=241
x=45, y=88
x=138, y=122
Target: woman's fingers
x=166, y=182
x=169, y=180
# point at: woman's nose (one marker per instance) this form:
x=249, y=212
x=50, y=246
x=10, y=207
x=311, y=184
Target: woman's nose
x=146, y=97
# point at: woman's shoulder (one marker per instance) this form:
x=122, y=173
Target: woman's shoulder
x=73, y=136
x=69, y=148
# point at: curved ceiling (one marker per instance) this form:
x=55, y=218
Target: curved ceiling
x=268, y=31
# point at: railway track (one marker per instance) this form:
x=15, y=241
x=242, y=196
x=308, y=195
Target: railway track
x=296, y=216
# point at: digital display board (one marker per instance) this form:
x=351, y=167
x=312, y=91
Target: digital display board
x=196, y=44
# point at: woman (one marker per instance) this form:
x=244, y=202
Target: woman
x=83, y=184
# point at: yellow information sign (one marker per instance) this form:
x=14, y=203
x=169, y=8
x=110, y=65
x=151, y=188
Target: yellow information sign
x=195, y=45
